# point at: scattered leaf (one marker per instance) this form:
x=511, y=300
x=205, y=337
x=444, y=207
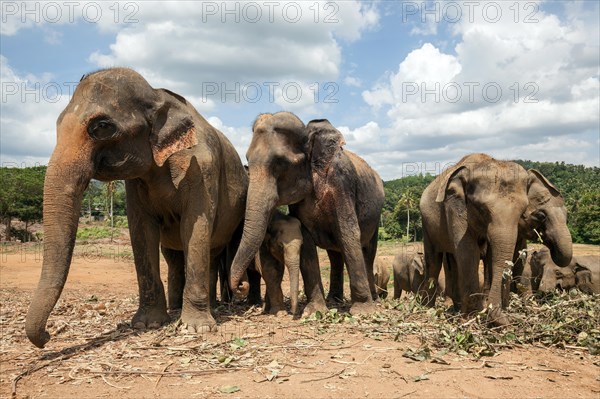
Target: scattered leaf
x=229, y=389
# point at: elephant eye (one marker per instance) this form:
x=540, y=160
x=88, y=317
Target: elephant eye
x=102, y=129
x=539, y=216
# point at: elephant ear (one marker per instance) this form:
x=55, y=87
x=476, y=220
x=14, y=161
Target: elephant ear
x=443, y=186
x=418, y=263
x=173, y=127
x=534, y=175
x=325, y=144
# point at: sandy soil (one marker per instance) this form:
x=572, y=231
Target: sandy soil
x=94, y=353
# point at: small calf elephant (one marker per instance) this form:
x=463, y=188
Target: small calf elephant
x=381, y=273
x=281, y=247
x=583, y=273
x=409, y=274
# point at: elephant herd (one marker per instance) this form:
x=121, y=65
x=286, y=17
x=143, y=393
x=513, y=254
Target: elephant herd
x=189, y=196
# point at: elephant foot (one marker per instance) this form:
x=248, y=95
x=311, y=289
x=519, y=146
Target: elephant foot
x=313, y=307
x=149, y=318
x=198, y=321
x=497, y=318
x=278, y=313
x=363, y=308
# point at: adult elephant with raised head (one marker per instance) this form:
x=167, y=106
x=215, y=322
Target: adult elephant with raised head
x=185, y=185
x=485, y=208
x=334, y=193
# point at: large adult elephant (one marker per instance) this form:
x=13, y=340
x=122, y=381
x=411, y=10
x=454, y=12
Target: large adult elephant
x=485, y=208
x=185, y=185
x=333, y=192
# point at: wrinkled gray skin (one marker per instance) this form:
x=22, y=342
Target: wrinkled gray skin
x=185, y=186
x=381, y=274
x=409, y=274
x=280, y=249
x=482, y=208
x=336, y=196
x=582, y=273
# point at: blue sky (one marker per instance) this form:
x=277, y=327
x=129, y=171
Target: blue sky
x=412, y=86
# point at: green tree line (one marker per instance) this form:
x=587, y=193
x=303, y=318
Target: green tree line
x=21, y=197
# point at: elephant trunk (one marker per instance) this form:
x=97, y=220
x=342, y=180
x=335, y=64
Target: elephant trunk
x=502, y=243
x=63, y=191
x=262, y=199
x=558, y=240
x=292, y=262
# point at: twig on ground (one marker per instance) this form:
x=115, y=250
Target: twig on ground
x=327, y=377
x=112, y=385
x=161, y=376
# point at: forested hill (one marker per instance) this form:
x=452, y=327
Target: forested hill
x=579, y=185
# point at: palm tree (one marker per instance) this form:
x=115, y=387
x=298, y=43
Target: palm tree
x=110, y=187
x=408, y=201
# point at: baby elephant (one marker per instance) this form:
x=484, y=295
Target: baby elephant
x=281, y=247
x=409, y=274
x=583, y=273
x=381, y=273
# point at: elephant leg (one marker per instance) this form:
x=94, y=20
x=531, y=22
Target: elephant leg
x=215, y=266
x=254, y=297
x=467, y=259
x=196, y=230
x=451, y=279
x=432, y=267
x=348, y=234
x=397, y=287
x=311, y=275
x=336, y=277
x=224, y=272
x=518, y=269
x=176, y=278
x=145, y=241
x=369, y=253
x=225, y=290
x=272, y=273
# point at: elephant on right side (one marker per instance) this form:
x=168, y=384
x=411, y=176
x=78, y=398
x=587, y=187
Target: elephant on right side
x=582, y=273
x=483, y=208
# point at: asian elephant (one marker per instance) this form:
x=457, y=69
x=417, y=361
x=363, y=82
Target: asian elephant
x=334, y=193
x=280, y=249
x=409, y=274
x=185, y=188
x=381, y=274
x=582, y=273
x=482, y=208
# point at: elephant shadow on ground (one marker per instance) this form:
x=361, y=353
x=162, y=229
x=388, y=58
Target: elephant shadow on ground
x=122, y=331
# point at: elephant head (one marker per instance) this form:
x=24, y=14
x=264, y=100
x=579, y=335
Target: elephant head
x=116, y=126
x=551, y=276
x=546, y=214
x=287, y=161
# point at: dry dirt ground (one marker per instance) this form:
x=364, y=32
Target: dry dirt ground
x=94, y=353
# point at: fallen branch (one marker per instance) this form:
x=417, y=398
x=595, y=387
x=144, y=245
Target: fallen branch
x=327, y=377
x=169, y=373
x=161, y=376
x=112, y=385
